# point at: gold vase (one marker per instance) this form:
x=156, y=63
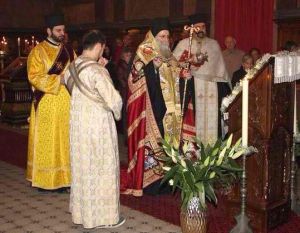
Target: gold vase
x=193, y=219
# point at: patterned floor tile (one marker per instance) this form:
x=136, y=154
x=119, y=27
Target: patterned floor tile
x=7, y=226
x=25, y=210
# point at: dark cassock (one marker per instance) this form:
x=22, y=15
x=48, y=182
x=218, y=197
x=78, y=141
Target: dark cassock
x=238, y=75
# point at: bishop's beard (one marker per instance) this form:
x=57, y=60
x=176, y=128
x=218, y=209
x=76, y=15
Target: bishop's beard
x=164, y=49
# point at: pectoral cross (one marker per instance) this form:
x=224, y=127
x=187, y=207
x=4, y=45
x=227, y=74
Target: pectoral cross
x=59, y=65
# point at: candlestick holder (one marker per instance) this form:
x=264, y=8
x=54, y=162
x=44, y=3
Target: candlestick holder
x=294, y=205
x=242, y=225
x=2, y=57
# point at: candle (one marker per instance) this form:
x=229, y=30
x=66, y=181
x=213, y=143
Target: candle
x=32, y=40
x=245, y=113
x=295, y=112
x=19, y=46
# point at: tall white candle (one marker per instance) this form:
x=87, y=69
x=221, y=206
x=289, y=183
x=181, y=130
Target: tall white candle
x=295, y=111
x=245, y=112
x=19, y=46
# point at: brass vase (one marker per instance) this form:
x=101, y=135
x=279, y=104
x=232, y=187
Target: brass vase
x=193, y=219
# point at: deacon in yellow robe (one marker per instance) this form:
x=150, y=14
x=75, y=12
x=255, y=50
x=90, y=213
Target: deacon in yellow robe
x=48, y=165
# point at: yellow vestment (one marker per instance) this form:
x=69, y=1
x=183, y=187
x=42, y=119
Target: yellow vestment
x=48, y=164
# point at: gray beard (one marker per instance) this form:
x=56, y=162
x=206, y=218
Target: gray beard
x=164, y=49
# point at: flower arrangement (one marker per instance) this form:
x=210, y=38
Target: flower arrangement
x=196, y=170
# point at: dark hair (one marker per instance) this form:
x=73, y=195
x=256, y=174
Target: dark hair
x=289, y=45
x=91, y=38
x=126, y=50
x=254, y=49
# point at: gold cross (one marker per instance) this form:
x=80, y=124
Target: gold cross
x=59, y=65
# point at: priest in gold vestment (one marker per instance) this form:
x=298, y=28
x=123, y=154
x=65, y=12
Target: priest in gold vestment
x=153, y=110
x=48, y=162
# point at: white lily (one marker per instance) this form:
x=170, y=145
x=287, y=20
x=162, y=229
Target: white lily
x=212, y=175
x=174, y=159
x=206, y=161
x=221, y=157
x=238, y=154
x=228, y=143
x=231, y=152
x=185, y=147
x=166, y=168
x=183, y=163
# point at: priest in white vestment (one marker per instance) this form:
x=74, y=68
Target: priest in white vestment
x=208, y=69
x=94, y=200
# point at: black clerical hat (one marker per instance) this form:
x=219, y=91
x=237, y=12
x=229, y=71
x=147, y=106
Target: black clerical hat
x=199, y=18
x=158, y=25
x=54, y=19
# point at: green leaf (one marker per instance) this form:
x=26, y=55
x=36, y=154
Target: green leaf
x=167, y=138
x=176, y=179
x=202, y=150
x=208, y=150
x=189, y=179
x=200, y=173
x=163, y=158
x=200, y=186
x=201, y=194
x=210, y=193
x=190, y=166
x=182, y=195
x=233, y=163
x=165, y=144
x=170, y=174
x=187, y=197
x=230, y=168
x=218, y=144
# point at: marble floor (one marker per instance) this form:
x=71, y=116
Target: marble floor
x=25, y=210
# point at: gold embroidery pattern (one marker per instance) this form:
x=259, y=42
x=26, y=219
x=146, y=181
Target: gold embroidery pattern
x=136, y=94
x=136, y=123
x=132, y=162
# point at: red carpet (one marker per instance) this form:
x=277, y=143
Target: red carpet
x=13, y=145
x=13, y=149
x=167, y=208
